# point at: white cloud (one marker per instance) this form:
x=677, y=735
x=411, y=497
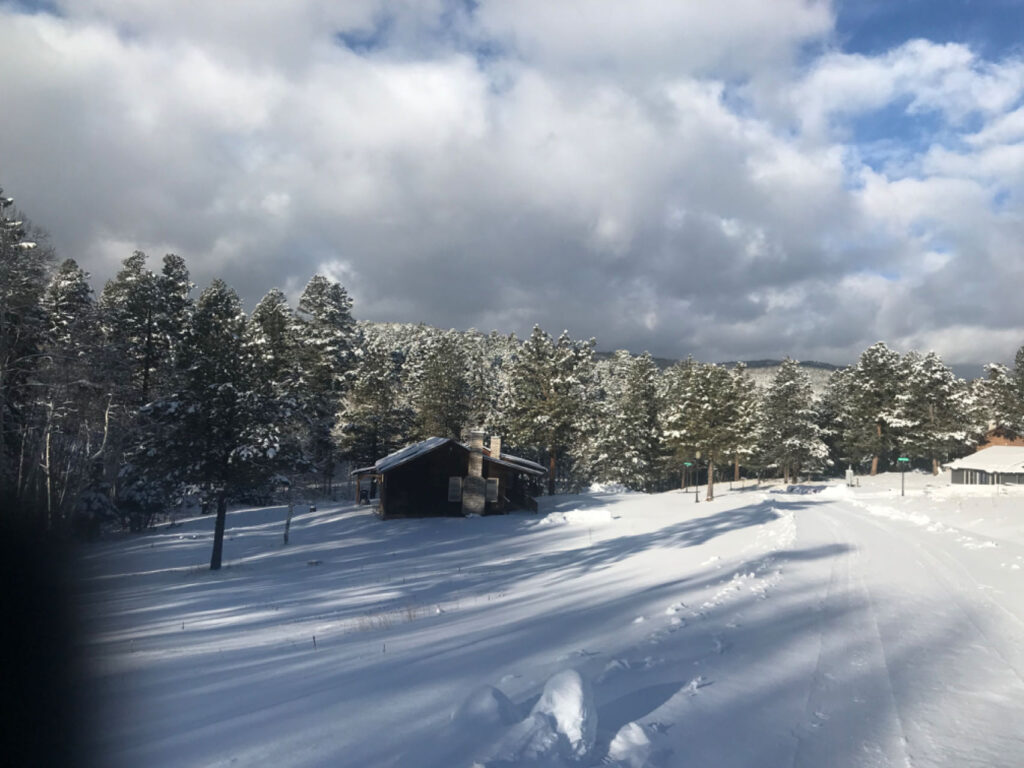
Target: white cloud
x=664, y=176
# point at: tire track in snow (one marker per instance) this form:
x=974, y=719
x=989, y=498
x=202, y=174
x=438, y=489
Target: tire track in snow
x=951, y=675
x=943, y=564
x=850, y=687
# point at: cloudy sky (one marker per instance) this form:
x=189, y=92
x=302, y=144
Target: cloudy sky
x=728, y=179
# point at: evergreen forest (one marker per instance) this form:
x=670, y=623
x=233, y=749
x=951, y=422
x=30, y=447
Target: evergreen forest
x=119, y=408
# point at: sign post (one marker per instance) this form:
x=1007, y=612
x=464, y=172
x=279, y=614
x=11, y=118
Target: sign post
x=686, y=471
x=696, y=477
x=903, y=461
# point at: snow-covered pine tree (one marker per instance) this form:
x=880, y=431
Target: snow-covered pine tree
x=790, y=436
x=218, y=432
x=440, y=387
x=134, y=340
x=1002, y=394
x=326, y=358
x=272, y=344
x=748, y=416
x=376, y=418
x=174, y=294
x=543, y=406
x=70, y=404
x=487, y=360
x=869, y=405
x=675, y=385
x=24, y=265
x=635, y=446
x=701, y=414
x=932, y=411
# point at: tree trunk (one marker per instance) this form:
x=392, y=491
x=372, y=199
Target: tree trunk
x=874, y=459
x=288, y=520
x=935, y=466
x=218, y=531
x=711, y=480
x=785, y=473
x=551, y=473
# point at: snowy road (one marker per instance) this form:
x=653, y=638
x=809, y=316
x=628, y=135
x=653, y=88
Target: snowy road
x=822, y=626
x=920, y=659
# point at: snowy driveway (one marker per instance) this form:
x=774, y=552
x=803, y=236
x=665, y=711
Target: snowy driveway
x=822, y=627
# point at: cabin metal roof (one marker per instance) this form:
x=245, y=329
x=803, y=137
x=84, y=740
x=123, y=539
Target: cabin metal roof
x=414, y=451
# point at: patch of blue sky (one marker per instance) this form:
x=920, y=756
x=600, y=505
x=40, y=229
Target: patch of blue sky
x=1002, y=201
x=991, y=28
x=366, y=40
x=916, y=130
x=894, y=138
x=51, y=7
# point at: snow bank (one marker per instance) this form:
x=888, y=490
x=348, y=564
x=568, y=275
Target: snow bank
x=578, y=516
x=837, y=491
x=609, y=488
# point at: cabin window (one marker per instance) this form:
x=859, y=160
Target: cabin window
x=492, y=489
x=455, y=488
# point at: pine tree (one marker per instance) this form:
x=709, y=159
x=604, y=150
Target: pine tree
x=326, y=357
x=869, y=406
x=272, y=345
x=790, y=435
x=633, y=444
x=441, y=389
x=748, y=416
x=544, y=407
x=1003, y=396
x=375, y=418
x=24, y=267
x=218, y=433
x=70, y=403
x=932, y=410
x=175, y=303
x=130, y=309
x=701, y=414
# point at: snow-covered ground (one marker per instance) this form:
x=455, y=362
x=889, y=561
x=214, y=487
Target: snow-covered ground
x=810, y=626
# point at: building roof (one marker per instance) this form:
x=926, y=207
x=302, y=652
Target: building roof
x=403, y=456
x=998, y=458
x=518, y=465
x=414, y=451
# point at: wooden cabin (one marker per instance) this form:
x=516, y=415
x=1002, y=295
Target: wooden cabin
x=443, y=477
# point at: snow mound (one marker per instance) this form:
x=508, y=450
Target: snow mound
x=577, y=517
x=608, y=488
x=569, y=703
x=562, y=726
x=486, y=706
x=631, y=747
x=837, y=491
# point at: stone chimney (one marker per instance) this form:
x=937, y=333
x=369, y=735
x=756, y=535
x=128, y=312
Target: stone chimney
x=495, y=447
x=474, y=487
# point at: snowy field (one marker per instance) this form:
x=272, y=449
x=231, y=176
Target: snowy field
x=811, y=626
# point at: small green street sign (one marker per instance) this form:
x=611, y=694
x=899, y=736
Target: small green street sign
x=902, y=458
x=687, y=463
